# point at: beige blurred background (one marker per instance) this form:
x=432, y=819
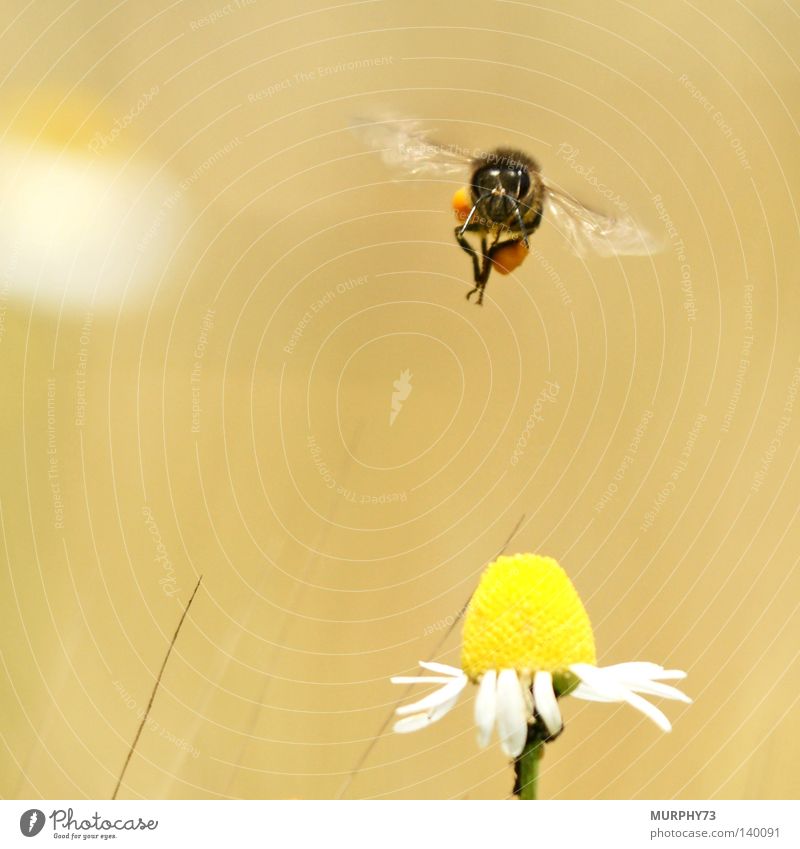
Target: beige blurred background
x=179, y=188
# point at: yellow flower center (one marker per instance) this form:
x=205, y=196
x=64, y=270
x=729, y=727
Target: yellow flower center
x=525, y=615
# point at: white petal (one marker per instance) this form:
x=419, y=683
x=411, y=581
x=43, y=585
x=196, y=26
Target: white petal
x=589, y=694
x=438, y=712
x=605, y=684
x=650, y=711
x=641, y=671
x=653, y=688
x=436, y=698
x=411, y=723
x=423, y=720
x=672, y=674
x=512, y=721
x=442, y=668
x=486, y=707
x=546, y=703
x=642, y=677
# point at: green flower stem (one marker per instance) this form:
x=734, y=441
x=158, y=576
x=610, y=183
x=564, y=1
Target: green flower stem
x=528, y=769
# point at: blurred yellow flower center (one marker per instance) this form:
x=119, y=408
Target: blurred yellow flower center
x=525, y=615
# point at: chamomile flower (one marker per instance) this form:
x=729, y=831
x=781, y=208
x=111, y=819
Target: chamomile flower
x=527, y=641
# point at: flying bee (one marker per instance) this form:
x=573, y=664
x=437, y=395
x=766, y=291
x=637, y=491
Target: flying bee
x=504, y=202
x=503, y=206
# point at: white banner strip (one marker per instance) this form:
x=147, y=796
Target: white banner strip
x=405, y=825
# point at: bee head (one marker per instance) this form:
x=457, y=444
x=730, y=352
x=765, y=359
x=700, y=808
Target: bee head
x=499, y=185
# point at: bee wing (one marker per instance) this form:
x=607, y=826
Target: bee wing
x=406, y=147
x=590, y=231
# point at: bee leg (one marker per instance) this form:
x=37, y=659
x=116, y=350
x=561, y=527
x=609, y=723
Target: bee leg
x=522, y=228
x=481, y=268
x=479, y=290
x=467, y=247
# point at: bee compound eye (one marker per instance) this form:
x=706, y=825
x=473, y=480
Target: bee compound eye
x=485, y=180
